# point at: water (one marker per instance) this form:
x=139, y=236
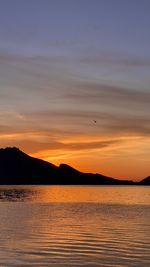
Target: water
x=74, y=226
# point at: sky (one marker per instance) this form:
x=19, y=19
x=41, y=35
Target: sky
x=75, y=83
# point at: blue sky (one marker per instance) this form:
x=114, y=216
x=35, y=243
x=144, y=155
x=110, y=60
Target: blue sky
x=64, y=63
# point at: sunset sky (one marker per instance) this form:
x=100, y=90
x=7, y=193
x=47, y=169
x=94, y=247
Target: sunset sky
x=75, y=83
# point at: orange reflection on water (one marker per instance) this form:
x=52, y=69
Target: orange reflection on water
x=96, y=194
x=74, y=225
x=121, y=195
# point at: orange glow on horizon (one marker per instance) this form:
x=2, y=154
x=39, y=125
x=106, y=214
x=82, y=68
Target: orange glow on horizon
x=122, y=160
x=123, y=157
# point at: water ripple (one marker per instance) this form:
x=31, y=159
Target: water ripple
x=72, y=233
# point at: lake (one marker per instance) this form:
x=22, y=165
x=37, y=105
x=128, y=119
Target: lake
x=75, y=226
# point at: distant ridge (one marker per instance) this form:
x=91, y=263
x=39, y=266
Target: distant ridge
x=16, y=167
x=145, y=181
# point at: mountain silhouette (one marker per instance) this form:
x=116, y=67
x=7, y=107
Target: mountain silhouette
x=145, y=181
x=16, y=167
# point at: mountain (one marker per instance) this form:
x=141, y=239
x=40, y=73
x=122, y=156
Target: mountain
x=145, y=181
x=16, y=167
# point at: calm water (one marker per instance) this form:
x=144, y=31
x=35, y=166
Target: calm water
x=74, y=226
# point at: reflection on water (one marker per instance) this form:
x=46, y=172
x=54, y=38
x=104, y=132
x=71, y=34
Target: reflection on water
x=74, y=226
x=16, y=194
x=100, y=194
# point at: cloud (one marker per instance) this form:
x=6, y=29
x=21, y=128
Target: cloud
x=32, y=72
x=81, y=123
x=34, y=146
x=63, y=42
x=94, y=56
x=118, y=111
x=38, y=99
x=99, y=92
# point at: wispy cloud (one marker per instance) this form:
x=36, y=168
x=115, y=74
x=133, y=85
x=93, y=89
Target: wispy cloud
x=94, y=56
x=100, y=92
x=82, y=123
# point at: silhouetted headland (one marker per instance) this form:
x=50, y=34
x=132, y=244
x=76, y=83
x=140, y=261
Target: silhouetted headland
x=16, y=167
